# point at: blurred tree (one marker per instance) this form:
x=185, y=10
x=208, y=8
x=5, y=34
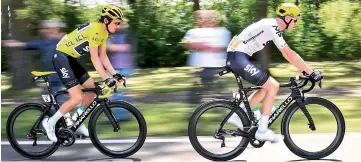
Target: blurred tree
x=19, y=61
x=196, y=5
x=4, y=33
x=160, y=25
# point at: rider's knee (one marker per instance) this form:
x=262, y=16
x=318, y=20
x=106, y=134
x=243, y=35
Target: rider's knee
x=272, y=85
x=276, y=86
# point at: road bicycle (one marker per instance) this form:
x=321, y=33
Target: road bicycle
x=297, y=101
x=101, y=105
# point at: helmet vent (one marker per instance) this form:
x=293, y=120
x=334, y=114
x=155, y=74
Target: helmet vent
x=282, y=11
x=112, y=13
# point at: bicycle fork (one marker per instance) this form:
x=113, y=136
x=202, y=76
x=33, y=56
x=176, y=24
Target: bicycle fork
x=301, y=104
x=111, y=117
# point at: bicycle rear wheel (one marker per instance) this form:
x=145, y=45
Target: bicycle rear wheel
x=21, y=135
x=205, y=122
x=128, y=140
x=329, y=123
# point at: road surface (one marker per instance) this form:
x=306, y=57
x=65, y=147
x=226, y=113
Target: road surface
x=179, y=149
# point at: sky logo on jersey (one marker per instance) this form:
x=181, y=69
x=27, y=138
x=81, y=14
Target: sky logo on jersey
x=64, y=72
x=251, y=69
x=278, y=31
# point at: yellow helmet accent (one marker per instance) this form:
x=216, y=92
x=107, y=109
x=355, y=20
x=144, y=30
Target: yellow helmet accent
x=289, y=9
x=112, y=11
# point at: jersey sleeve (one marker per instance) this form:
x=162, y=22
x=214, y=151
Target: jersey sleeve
x=35, y=44
x=277, y=35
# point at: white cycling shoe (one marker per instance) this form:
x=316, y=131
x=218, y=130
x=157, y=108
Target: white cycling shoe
x=82, y=130
x=268, y=135
x=50, y=130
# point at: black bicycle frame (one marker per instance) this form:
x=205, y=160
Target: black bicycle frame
x=296, y=95
x=95, y=104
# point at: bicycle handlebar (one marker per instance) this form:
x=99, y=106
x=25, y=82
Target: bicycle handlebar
x=307, y=78
x=103, y=86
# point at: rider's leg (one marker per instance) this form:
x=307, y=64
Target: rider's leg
x=87, y=99
x=84, y=79
x=263, y=133
x=63, y=66
x=241, y=65
x=256, y=97
x=271, y=86
x=76, y=97
x=89, y=96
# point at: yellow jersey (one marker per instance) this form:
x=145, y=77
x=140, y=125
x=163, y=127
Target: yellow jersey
x=77, y=42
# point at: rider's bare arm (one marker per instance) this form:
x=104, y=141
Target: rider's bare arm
x=94, y=57
x=292, y=57
x=105, y=60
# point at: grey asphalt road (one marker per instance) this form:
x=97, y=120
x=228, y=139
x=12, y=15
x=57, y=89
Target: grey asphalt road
x=179, y=149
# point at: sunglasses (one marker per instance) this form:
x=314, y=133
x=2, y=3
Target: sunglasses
x=294, y=19
x=117, y=23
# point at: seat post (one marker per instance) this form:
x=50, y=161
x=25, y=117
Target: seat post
x=46, y=79
x=239, y=81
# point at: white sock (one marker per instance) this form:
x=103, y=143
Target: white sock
x=55, y=118
x=263, y=123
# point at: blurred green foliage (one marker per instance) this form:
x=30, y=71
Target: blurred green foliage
x=328, y=30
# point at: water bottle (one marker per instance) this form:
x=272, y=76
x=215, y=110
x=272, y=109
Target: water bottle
x=258, y=114
x=78, y=113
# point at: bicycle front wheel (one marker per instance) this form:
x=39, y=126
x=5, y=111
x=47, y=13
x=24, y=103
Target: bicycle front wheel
x=313, y=144
x=125, y=142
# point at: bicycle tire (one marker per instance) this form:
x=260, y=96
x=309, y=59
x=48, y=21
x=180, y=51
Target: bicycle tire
x=11, y=137
x=118, y=154
x=328, y=150
x=193, y=135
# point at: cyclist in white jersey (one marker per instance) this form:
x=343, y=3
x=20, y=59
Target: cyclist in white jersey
x=254, y=38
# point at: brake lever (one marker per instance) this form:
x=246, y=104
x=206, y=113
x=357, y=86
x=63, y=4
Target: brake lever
x=115, y=88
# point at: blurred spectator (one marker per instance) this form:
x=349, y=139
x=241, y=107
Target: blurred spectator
x=50, y=33
x=207, y=42
x=122, y=46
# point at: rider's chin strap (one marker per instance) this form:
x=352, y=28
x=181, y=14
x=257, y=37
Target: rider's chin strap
x=106, y=25
x=284, y=20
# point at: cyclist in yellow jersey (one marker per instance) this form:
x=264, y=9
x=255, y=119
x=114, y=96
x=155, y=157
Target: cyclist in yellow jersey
x=87, y=38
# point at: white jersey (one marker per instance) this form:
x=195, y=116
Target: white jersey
x=256, y=36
